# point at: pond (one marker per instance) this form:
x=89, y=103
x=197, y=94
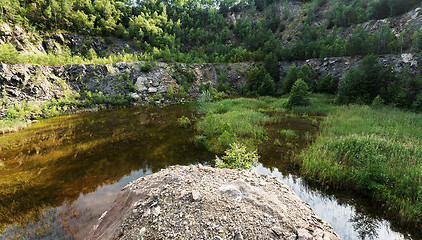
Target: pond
x=59, y=175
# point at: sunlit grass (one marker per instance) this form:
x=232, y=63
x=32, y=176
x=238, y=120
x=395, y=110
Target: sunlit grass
x=375, y=151
x=230, y=120
x=11, y=125
x=238, y=104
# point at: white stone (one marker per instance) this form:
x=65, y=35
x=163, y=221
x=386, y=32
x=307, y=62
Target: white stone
x=152, y=90
x=134, y=96
x=408, y=58
x=140, y=84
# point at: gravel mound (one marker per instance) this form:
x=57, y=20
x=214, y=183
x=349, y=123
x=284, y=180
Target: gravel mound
x=198, y=202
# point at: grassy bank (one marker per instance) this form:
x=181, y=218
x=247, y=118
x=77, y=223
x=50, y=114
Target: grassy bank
x=232, y=120
x=376, y=151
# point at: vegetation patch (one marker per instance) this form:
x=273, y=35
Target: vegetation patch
x=237, y=156
x=183, y=122
x=230, y=120
x=376, y=151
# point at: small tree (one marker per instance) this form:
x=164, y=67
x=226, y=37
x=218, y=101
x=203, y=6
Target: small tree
x=267, y=87
x=237, y=156
x=299, y=96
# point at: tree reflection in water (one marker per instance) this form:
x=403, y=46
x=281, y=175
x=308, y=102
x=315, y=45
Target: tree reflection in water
x=367, y=227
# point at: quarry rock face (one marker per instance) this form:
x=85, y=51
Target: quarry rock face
x=35, y=83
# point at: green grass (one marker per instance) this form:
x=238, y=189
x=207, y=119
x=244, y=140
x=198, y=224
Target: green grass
x=288, y=133
x=11, y=125
x=376, y=151
x=230, y=120
x=238, y=104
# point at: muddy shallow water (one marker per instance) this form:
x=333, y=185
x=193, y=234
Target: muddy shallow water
x=59, y=175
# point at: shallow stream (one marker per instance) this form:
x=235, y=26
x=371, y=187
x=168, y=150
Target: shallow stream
x=59, y=175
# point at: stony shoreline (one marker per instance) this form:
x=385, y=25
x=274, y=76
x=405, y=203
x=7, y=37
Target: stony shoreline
x=200, y=202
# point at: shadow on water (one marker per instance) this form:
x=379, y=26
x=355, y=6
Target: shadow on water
x=80, y=162
x=59, y=175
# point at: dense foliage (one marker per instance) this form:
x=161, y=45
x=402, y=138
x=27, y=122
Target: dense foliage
x=371, y=82
x=204, y=30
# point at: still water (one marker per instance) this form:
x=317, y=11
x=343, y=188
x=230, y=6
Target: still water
x=59, y=175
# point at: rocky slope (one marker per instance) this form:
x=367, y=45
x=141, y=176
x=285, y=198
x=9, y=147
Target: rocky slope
x=198, y=202
x=35, y=83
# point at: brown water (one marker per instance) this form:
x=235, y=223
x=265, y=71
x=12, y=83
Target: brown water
x=59, y=175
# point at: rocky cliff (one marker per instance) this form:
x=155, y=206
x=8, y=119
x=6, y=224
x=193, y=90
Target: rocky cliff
x=197, y=202
x=139, y=81
x=146, y=82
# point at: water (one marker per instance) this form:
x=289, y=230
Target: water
x=59, y=175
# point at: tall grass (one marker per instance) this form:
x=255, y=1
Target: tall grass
x=375, y=151
x=230, y=120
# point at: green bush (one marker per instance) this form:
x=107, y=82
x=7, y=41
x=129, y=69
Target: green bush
x=363, y=83
x=378, y=102
x=237, y=156
x=288, y=133
x=299, y=96
x=210, y=95
x=226, y=139
x=267, y=87
x=327, y=84
x=170, y=92
x=8, y=53
x=306, y=73
x=184, y=122
x=417, y=105
x=146, y=67
x=259, y=82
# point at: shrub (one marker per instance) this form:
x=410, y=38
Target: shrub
x=306, y=73
x=267, y=87
x=224, y=87
x=299, y=96
x=146, y=67
x=259, y=82
x=363, y=83
x=288, y=133
x=378, y=102
x=237, y=156
x=226, y=139
x=417, y=105
x=8, y=53
x=170, y=92
x=327, y=84
x=184, y=122
x=210, y=95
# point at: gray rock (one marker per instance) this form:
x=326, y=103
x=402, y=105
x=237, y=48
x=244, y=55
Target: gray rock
x=152, y=90
x=5, y=30
x=176, y=216
x=195, y=195
x=134, y=96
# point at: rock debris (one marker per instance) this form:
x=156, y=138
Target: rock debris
x=200, y=202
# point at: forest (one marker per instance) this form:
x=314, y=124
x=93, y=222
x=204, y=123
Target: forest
x=201, y=30
x=227, y=31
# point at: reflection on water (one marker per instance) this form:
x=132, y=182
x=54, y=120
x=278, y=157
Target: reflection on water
x=58, y=176
x=348, y=222
x=80, y=162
